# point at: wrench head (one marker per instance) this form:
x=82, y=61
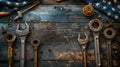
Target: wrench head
x=109, y=33
x=95, y=25
x=22, y=32
x=83, y=40
x=35, y=42
x=10, y=38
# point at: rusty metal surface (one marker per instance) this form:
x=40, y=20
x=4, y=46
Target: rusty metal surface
x=55, y=13
x=59, y=45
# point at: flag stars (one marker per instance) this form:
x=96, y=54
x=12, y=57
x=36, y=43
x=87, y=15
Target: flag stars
x=8, y=2
x=97, y=4
x=104, y=1
x=104, y=7
x=24, y=3
x=109, y=3
x=108, y=13
x=116, y=17
x=113, y=9
x=115, y=1
x=16, y=4
x=118, y=6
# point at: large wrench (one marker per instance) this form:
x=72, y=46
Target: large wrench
x=22, y=35
x=109, y=33
x=82, y=42
x=10, y=39
x=96, y=25
x=35, y=43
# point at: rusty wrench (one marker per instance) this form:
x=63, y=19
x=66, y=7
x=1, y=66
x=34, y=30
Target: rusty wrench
x=96, y=25
x=10, y=39
x=109, y=33
x=83, y=43
x=35, y=43
x=22, y=35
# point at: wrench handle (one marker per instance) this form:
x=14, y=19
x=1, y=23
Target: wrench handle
x=35, y=57
x=97, y=51
x=9, y=56
x=84, y=56
x=22, y=61
x=109, y=55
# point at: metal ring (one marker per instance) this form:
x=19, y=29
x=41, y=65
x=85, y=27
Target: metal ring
x=35, y=42
x=98, y=27
x=111, y=34
x=10, y=38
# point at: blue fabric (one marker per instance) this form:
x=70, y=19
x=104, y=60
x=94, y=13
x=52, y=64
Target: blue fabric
x=108, y=7
x=10, y=5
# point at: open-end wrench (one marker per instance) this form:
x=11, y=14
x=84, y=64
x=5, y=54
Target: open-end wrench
x=22, y=35
x=109, y=33
x=83, y=43
x=10, y=39
x=96, y=25
x=35, y=43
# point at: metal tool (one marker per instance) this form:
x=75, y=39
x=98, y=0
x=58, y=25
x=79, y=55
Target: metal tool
x=35, y=43
x=23, y=11
x=10, y=39
x=83, y=43
x=96, y=25
x=109, y=33
x=88, y=10
x=22, y=35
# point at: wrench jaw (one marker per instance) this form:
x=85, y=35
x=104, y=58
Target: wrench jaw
x=24, y=32
x=95, y=25
x=83, y=41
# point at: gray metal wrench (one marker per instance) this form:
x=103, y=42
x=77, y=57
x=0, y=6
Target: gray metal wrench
x=22, y=35
x=83, y=43
x=109, y=33
x=96, y=25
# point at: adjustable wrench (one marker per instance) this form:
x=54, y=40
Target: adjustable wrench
x=109, y=33
x=35, y=43
x=22, y=35
x=10, y=39
x=82, y=42
x=96, y=25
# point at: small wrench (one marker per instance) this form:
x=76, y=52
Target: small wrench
x=22, y=35
x=109, y=33
x=96, y=25
x=83, y=43
x=23, y=11
x=10, y=39
x=35, y=43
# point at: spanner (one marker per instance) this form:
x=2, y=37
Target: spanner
x=23, y=11
x=96, y=25
x=35, y=43
x=10, y=39
x=22, y=35
x=83, y=43
x=109, y=33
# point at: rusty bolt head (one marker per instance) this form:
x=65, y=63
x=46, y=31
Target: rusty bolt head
x=88, y=10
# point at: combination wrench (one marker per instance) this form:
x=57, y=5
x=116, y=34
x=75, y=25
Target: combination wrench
x=83, y=43
x=22, y=35
x=109, y=33
x=10, y=39
x=96, y=25
x=35, y=43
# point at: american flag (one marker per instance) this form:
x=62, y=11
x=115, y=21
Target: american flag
x=111, y=8
x=8, y=6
